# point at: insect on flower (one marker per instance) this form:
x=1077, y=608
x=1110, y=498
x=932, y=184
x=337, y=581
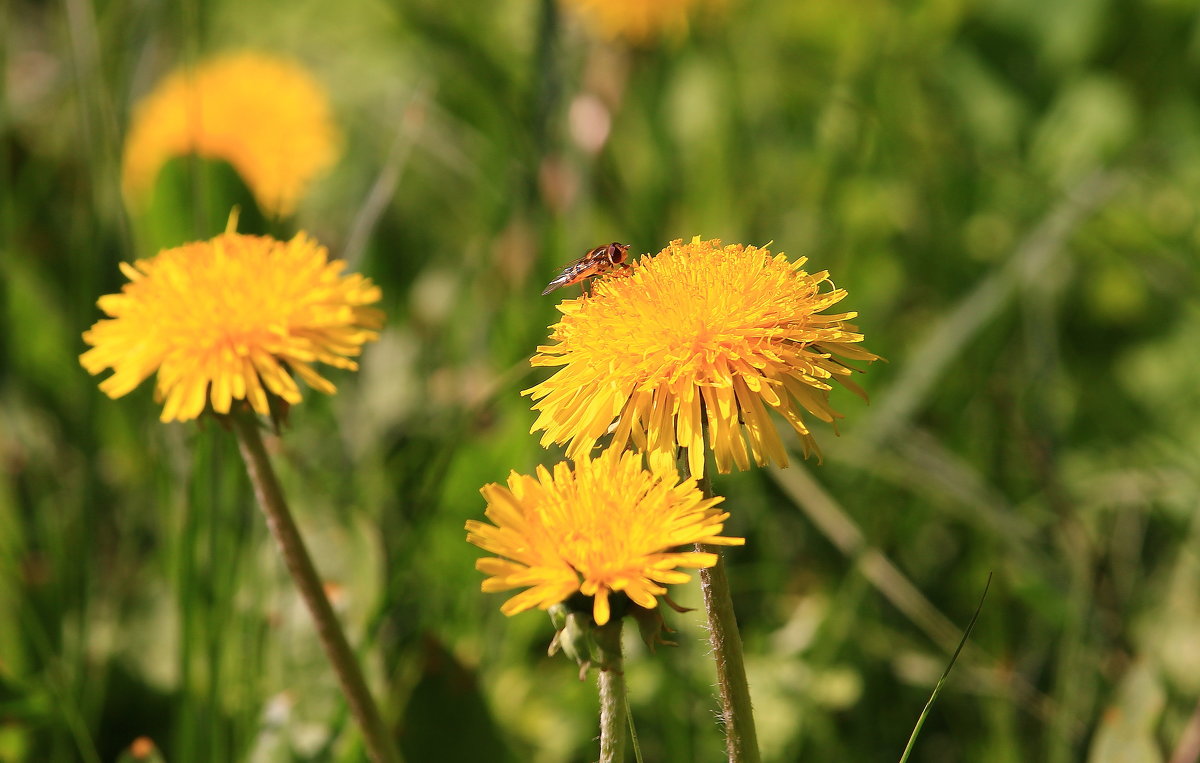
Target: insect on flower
x=595, y=262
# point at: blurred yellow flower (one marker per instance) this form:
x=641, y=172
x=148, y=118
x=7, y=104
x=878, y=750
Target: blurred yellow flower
x=603, y=526
x=697, y=334
x=232, y=318
x=638, y=21
x=265, y=116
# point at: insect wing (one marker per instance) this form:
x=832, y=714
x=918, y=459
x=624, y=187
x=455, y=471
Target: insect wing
x=577, y=270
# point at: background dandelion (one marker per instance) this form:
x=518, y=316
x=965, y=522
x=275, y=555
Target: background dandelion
x=637, y=21
x=265, y=115
x=1005, y=190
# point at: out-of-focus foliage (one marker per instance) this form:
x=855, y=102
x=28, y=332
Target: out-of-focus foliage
x=1006, y=188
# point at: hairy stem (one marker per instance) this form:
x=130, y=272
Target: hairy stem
x=299, y=564
x=613, y=705
x=741, y=739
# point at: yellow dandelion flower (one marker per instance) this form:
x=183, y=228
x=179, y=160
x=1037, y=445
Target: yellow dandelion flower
x=638, y=21
x=695, y=344
x=601, y=527
x=265, y=116
x=229, y=319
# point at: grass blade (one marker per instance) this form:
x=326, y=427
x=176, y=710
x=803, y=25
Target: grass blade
x=912, y=739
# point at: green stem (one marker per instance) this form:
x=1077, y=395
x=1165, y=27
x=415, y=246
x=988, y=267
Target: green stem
x=613, y=703
x=295, y=556
x=741, y=739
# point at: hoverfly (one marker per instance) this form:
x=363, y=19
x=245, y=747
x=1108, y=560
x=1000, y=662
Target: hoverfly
x=597, y=261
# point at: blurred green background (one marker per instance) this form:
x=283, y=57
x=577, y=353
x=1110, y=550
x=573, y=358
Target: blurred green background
x=1007, y=189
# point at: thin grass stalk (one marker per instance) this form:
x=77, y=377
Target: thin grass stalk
x=187, y=600
x=283, y=527
x=937, y=689
x=737, y=713
x=633, y=735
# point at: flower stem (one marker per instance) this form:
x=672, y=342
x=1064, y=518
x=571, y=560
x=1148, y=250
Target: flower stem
x=613, y=704
x=741, y=739
x=279, y=519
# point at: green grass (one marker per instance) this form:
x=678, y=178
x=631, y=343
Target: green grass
x=1007, y=190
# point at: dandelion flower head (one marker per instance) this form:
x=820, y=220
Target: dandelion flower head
x=233, y=318
x=600, y=527
x=265, y=116
x=638, y=21
x=695, y=345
